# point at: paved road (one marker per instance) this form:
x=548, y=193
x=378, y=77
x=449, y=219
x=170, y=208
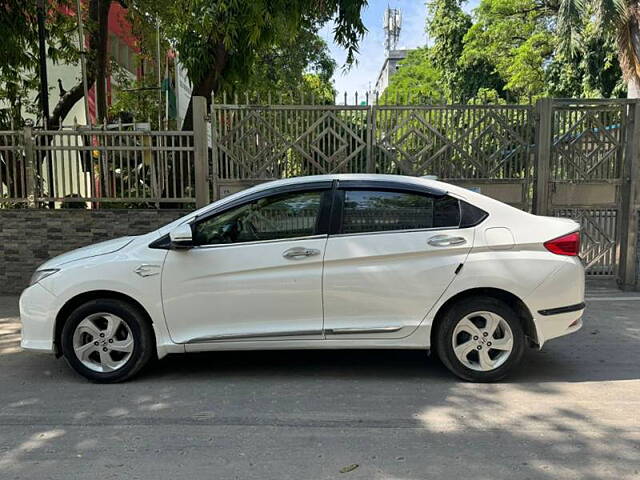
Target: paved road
x=572, y=411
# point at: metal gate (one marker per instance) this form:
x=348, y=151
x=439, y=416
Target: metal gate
x=484, y=147
x=258, y=143
x=581, y=164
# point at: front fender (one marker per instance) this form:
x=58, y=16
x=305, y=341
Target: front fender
x=128, y=273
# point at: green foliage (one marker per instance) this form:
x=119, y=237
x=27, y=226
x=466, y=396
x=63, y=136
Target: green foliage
x=134, y=99
x=302, y=66
x=544, y=48
x=220, y=41
x=416, y=82
x=448, y=25
x=510, y=36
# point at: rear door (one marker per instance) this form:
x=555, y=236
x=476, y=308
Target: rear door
x=391, y=254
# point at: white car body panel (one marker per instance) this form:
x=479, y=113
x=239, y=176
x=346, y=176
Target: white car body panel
x=212, y=283
x=386, y=281
x=370, y=281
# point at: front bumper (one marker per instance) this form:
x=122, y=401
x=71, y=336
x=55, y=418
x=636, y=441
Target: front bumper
x=37, y=315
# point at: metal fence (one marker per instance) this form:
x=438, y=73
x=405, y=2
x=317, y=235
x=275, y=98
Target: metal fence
x=572, y=158
x=485, y=146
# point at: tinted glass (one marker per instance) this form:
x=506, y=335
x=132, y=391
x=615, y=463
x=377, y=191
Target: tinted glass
x=278, y=217
x=378, y=211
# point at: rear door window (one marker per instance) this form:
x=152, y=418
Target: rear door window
x=368, y=211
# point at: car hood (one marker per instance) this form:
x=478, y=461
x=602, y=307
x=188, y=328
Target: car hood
x=94, y=250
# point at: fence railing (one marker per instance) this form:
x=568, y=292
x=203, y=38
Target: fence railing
x=96, y=168
x=575, y=158
x=489, y=146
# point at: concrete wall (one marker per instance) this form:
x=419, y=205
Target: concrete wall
x=30, y=237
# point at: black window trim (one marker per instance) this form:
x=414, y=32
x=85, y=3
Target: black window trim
x=329, y=220
x=390, y=185
x=296, y=187
x=321, y=228
x=384, y=186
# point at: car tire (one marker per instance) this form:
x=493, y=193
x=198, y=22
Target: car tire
x=480, y=339
x=107, y=340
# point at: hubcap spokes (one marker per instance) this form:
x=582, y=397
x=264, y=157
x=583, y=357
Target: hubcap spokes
x=103, y=342
x=482, y=341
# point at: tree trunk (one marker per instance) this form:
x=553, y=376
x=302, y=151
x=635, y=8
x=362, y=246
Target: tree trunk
x=97, y=31
x=100, y=38
x=633, y=82
x=207, y=85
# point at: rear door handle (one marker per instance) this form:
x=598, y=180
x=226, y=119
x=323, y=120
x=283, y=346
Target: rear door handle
x=446, y=241
x=296, y=253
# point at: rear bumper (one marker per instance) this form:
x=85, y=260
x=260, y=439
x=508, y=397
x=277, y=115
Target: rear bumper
x=557, y=304
x=554, y=326
x=37, y=317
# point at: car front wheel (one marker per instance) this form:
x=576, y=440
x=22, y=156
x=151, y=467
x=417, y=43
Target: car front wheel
x=480, y=339
x=107, y=340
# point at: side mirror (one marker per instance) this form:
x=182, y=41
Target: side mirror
x=181, y=237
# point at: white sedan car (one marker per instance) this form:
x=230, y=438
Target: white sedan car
x=331, y=262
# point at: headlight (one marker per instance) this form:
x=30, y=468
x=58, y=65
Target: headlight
x=42, y=274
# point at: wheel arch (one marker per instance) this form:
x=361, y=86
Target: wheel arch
x=513, y=301
x=76, y=301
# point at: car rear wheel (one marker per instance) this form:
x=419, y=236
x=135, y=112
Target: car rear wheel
x=107, y=340
x=480, y=339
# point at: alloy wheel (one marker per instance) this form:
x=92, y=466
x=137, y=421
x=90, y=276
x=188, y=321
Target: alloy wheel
x=103, y=342
x=482, y=341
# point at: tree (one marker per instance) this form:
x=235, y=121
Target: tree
x=97, y=64
x=219, y=40
x=618, y=19
x=298, y=67
x=541, y=48
x=417, y=81
x=447, y=25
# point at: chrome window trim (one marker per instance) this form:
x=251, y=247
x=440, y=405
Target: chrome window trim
x=259, y=242
x=382, y=232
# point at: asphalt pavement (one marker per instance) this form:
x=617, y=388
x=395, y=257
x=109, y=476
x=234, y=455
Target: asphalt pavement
x=571, y=411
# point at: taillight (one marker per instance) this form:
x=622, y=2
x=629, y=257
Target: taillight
x=565, y=245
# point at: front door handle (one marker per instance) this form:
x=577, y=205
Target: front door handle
x=297, y=253
x=446, y=241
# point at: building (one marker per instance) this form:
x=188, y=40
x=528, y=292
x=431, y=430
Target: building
x=389, y=68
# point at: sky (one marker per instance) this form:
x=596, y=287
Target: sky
x=362, y=77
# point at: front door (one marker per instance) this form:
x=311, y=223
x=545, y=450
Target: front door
x=255, y=273
x=393, y=255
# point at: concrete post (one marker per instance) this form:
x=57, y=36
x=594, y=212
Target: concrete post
x=544, y=142
x=630, y=203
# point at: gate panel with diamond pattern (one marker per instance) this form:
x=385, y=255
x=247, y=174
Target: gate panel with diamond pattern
x=261, y=143
x=586, y=173
x=484, y=147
